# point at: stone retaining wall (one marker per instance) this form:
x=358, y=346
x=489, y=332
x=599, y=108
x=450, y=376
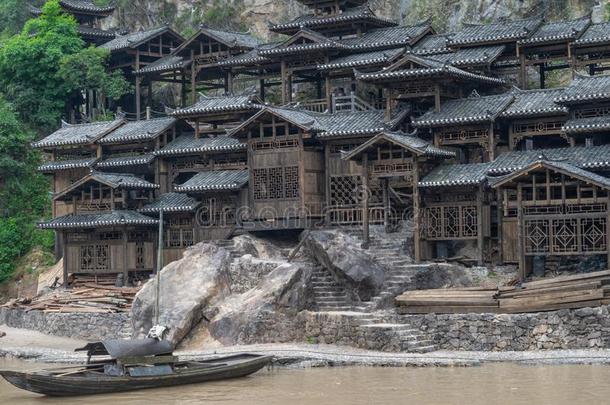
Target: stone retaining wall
x=86, y=326
x=564, y=329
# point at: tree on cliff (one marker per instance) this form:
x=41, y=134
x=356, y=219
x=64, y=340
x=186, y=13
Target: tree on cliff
x=38, y=66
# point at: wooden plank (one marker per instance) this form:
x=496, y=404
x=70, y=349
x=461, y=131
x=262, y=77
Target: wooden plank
x=447, y=310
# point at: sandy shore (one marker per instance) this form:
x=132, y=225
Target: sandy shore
x=35, y=346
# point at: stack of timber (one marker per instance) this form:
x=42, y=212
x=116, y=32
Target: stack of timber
x=88, y=298
x=567, y=292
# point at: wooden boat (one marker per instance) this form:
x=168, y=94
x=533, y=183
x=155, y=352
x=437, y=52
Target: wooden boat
x=133, y=365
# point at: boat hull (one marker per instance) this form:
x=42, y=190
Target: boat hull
x=88, y=385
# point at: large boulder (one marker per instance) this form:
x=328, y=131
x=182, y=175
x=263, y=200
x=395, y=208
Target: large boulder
x=267, y=312
x=344, y=257
x=188, y=286
x=257, y=247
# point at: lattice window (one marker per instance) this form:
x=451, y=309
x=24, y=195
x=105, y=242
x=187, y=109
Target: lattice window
x=344, y=190
x=539, y=127
x=434, y=222
x=275, y=144
x=78, y=237
x=537, y=236
x=452, y=222
x=275, y=183
x=469, y=221
x=564, y=235
x=94, y=257
x=110, y=235
x=593, y=234
x=140, y=260
x=464, y=136
x=592, y=112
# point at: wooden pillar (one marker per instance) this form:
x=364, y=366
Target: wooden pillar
x=542, y=78
x=183, y=89
x=327, y=182
x=437, y=97
x=150, y=95
x=416, y=213
x=522, y=71
x=492, y=143
x=386, y=205
x=284, y=80
x=480, y=236
x=500, y=216
x=319, y=87
x=520, y=233
x=62, y=237
x=193, y=82
x=608, y=233
x=328, y=93
x=138, y=97
x=262, y=89
x=365, y=201
x=125, y=259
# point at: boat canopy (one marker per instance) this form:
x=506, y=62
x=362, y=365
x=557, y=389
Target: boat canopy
x=119, y=348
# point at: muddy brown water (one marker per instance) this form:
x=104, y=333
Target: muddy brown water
x=502, y=384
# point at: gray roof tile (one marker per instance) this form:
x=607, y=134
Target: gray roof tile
x=319, y=42
x=170, y=62
x=231, y=38
x=106, y=219
x=595, y=33
x=406, y=141
x=586, y=88
x=535, y=103
x=218, y=180
x=497, y=32
x=466, y=110
x=213, y=105
x=558, y=31
x=587, y=125
x=362, y=59
x=456, y=175
x=67, y=164
x=432, y=44
x=171, y=202
x=81, y=134
x=250, y=57
x=586, y=157
x=118, y=180
x=125, y=161
x=188, y=144
x=480, y=55
x=134, y=131
x=390, y=37
x=355, y=14
x=87, y=6
x=134, y=39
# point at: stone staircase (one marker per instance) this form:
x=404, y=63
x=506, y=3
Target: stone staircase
x=397, y=337
x=328, y=294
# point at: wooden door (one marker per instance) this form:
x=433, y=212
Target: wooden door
x=510, y=240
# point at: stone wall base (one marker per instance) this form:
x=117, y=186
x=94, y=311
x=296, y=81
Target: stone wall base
x=86, y=326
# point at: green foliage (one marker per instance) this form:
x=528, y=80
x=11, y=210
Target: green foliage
x=24, y=196
x=13, y=14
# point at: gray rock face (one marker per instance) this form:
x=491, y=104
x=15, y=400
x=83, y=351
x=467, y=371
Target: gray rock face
x=270, y=307
x=446, y=275
x=343, y=256
x=188, y=286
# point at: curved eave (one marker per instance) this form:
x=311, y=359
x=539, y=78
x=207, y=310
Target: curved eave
x=445, y=121
x=328, y=21
x=92, y=224
x=187, y=151
x=583, y=129
x=330, y=134
x=535, y=113
x=186, y=112
x=224, y=187
x=582, y=98
x=430, y=184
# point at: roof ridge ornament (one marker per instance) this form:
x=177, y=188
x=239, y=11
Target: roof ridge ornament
x=474, y=94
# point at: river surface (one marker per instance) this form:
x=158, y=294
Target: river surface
x=490, y=384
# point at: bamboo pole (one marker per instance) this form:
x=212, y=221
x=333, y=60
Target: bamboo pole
x=159, y=266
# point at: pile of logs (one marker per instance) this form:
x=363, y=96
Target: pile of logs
x=575, y=291
x=88, y=298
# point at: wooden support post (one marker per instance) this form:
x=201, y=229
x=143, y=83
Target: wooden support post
x=480, y=236
x=65, y=258
x=542, y=78
x=416, y=213
x=365, y=201
x=138, y=97
x=284, y=80
x=193, y=82
x=520, y=233
x=500, y=216
x=522, y=71
x=261, y=84
x=183, y=88
x=125, y=259
x=492, y=143
x=328, y=93
x=327, y=182
x=437, y=97
x=386, y=205
x=607, y=233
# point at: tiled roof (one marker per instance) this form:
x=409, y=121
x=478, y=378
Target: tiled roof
x=81, y=134
x=233, y=39
x=217, y=180
x=188, y=144
x=416, y=145
x=362, y=13
x=439, y=70
x=480, y=55
x=134, y=39
x=362, y=59
x=587, y=125
x=250, y=57
x=87, y=31
x=320, y=42
x=305, y=119
x=390, y=37
x=595, y=33
x=142, y=130
x=352, y=123
x=164, y=64
x=86, y=5
x=220, y=104
x=67, y=164
x=456, y=175
x=123, y=161
x=586, y=88
x=432, y=44
x=534, y=103
x=558, y=31
x=586, y=157
x=501, y=31
x=560, y=166
x=119, y=180
x=466, y=110
x=106, y=219
x=171, y=202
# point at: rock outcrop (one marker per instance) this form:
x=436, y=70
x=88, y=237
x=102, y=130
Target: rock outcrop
x=188, y=286
x=343, y=256
x=266, y=312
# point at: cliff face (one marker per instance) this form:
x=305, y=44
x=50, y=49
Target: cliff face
x=253, y=15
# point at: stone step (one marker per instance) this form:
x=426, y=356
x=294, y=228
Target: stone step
x=420, y=349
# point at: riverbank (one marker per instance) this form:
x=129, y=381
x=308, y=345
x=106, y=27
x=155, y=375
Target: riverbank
x=34, y=346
